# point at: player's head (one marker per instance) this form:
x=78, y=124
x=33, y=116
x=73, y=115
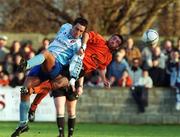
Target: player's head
x=79, y=26
x=115, y=42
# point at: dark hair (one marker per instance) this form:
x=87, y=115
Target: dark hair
x=45, y=39
x=81, y=21
x=120, y=37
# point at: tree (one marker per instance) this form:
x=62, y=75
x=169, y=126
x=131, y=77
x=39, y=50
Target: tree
x=105, y=16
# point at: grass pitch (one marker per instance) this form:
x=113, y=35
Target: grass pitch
x=94, y=130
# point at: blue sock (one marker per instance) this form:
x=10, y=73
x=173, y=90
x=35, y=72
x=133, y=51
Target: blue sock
x=24, y=108
x=36, y=60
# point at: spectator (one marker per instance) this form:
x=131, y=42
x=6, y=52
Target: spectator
x=147, y=56
x=131, y=51
x=160, y=57
x=17, y=59
x=18, y=79
x=1, y=68
x=157, y=71
x=157, y=74
x=135, y=71
x=174, y=59
x=27, y=50
x=15, y=47
x=4, y=80
x=45, y=44
x=140, y=91
x=167, y=48
x=125, y=80
x=174, y=70
x=117, y=67
x=3, y=50
x=145, y=80
x=8, y=64
x=178, y=44
x=171, y=63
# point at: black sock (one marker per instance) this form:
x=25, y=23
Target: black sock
x=60, y=124
x=71, y=124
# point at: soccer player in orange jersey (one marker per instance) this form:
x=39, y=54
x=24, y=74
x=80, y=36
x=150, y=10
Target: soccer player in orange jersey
x=98, y=55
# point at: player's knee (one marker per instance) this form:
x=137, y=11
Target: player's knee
x=46, y=53
x=71, y=112
x=60, y=112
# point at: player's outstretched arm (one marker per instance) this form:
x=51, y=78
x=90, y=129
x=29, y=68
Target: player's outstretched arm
x=105, y=80
x=85, y=38
x=80, y=85
x=76, y=63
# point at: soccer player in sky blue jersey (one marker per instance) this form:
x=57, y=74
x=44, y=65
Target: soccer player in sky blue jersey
x=49, y=64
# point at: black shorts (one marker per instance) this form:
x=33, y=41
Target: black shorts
x=68, y=93
x=66, y=73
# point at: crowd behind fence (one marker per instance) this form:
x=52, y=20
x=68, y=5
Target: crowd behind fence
x=138, y=69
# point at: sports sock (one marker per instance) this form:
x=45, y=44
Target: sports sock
x=71, y=125
x=38, y=99
x=36, y=60
x=24, y=108
x=60, y=124
x=46, y=85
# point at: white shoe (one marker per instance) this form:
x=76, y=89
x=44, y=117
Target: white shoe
x=178, y=106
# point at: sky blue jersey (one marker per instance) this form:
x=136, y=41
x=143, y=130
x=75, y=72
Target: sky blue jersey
x=64, y=45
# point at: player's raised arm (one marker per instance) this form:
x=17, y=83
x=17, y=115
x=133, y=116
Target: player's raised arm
x=80, y=86
x=85, y=38
x=104, y=79
x=75, y=65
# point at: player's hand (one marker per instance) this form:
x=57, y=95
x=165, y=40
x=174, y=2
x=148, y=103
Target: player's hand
x=81, y=52
x=107, y=84
x=31, y=91
x=72, y=84
x=73, y=88
x=79, y=90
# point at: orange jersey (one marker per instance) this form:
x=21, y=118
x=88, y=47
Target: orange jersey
x=97, y=53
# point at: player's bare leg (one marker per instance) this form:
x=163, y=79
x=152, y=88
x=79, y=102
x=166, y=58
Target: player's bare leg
x=71, y=108
x=60, y=111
